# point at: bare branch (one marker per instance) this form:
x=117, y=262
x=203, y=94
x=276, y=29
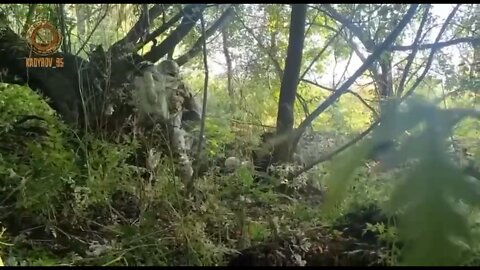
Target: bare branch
x=320, y=53
x=438, y=45
x=373, y=57
x=347, y=65
x=432, y=53
x=329, y=156
x=190, y=18
x=141, y=26
x=311, y=23
x=357, y=31
x=93, y=30
x=411, y=56
x=304, y=104
x=348, y=91
x=226, y=17
x=278, y=68
x=152, y=36
x=236, y=121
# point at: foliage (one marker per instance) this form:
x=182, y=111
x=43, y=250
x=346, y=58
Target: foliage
x=430, y=200
x=71, y=200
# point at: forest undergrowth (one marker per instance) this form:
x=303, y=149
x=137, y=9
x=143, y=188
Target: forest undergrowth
x=71, y=201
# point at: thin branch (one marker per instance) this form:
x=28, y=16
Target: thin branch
x=152, y=36
x=226, y=17
x=276, y=64
x=311, y=24
x=329, y=156
x=320, y=54
x=432, y=53
x=141, y=26
x=417, y=70
x=373, y=71
x=251, y=124
x=304, y=104
x=357, y=31
x=370, y=59
x=345, y=70
x=348, y=91
x=192, y=15
x=93, y=30
x=325, y=26
x=412, y=55
x=438, y=45
x=446, y=95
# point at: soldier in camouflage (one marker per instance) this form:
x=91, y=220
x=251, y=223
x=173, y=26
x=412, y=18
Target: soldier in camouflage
x=182, y=108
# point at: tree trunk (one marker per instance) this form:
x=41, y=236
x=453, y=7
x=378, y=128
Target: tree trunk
x=288, y=89
x=81, y=18
x=28, y=20
x=228, y=59
x=82, y=90
x=476, y=47
x=385, y=78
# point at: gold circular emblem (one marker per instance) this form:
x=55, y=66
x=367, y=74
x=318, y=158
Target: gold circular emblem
x=44, y=38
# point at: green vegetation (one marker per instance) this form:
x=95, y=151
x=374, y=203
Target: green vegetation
x=76, y=198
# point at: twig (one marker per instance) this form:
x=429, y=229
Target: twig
x=141, y=27
x=276, y=64
x=251, y=124
x=437, y=45
x=337, y=151
x=432, y=53
x=160, y=30
x=304, y=104
x=412, y=55
x=93, y=30
x=345, y=70
x=356, y=30
x=363, y=134
x=320, y=53
x=368, y=62
x=191, y=15
x=221, y=22
x=348, y=91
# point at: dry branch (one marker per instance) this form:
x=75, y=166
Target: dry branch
x=368, y=62
x=196, y=48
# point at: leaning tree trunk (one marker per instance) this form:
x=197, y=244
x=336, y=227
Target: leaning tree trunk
x=288, y=89
x=61, y=86
x=228, y=60
x=85, y=89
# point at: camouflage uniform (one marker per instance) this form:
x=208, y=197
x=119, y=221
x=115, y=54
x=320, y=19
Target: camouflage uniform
x=162, y=98
x=180, y=102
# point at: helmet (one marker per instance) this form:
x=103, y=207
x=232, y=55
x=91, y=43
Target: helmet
x=169, y=67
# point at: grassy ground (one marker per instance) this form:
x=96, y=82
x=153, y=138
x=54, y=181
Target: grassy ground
x=67, y=201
